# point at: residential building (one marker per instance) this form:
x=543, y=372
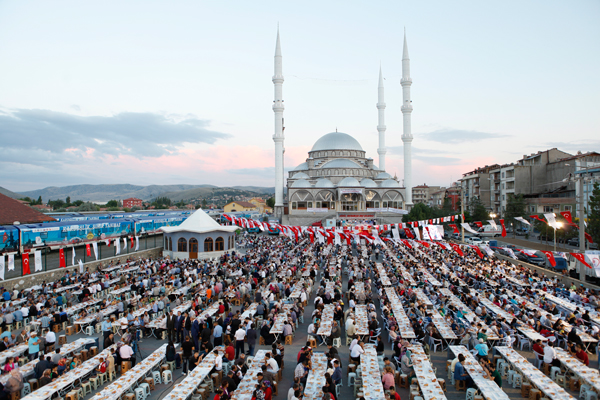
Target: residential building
x=453, y=193
x=132, y=202
x=261, y=204
x=236, y=206
x=423, y=193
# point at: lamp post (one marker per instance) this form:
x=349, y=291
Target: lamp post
x=558, y=225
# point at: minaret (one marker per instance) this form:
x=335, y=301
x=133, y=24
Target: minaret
x=381, y=125
x=407, y=136
x=278, y=135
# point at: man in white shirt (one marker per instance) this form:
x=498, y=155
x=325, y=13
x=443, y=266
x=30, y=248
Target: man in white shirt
x=240, y=334
x=218, y=361
x=549, y=354
x=271, y=364
x=50, y=340
x=126, y=353
x=357, y=350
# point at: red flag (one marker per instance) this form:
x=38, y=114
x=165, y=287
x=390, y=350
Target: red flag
x=88, y=250
x=479, y=253
x=312, y=237
x=407, y=244
x=588, y=237
x=581, y=258
x=536, y=217
x=329, y=237
x=25, y=261
x=457, y=249
x=453, y=218
x=479, y=224
x=409, y=234
x=503, y=228
x=453, y=226
x=62, y=263
x=423, y=243
x=550, y=257
x=132, y=240
x=567, y=215
x=107, y=242
x=462, y=217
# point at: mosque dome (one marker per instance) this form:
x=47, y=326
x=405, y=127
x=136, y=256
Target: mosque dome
x=301, y=167
x=336, y=141
x=349, y=182
x=368, y=183
x=300, y=175
x=301, y=183
x=324, y=183
x=341, y=163
x=383, y=175
x=390, y=183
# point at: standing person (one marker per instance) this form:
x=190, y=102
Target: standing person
x=179, y=327
x=34, y=346
x=188, y=349
x=106, y=328
x=240, y=335
x=218, y=335
x=251, y=336
x=171, y=326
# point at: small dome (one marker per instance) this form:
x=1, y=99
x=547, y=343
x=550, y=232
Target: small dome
x=324, y=183
x=301, y=183
x=368, y=183
x=383, y=175
x=390, y=183
x=300, y=175
x=349, y=182
x=301, y=167
x=341, y=163
x=336, y=141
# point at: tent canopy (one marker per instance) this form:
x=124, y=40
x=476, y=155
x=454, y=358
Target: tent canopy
x=199, y=222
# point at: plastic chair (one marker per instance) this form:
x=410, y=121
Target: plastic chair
x=26, y=389
x=351, y=378
x=167, y=376
x=156, y=376
x=337, y=342
x=146, y=388
x=140, y=393
x=471, y=394
x=517, y=380
x=583, y=391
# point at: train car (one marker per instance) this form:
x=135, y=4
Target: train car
x=151, y=226
x=9, y=239
x=57, y=234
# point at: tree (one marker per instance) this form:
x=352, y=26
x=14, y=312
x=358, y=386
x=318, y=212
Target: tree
x=419, y=212
x=447, y=207
x=593, y=210
x=68, y=200
x=478, y=211
x=204, y=203
x=271, y=202
x=39, y=200
x=515, y=207
x=112, y=203
x=88, y=207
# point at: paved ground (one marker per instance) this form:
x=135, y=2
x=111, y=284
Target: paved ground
x=148, y=345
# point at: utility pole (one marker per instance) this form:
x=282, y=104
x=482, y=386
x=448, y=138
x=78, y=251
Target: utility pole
x=581, y=228
x=462, y=212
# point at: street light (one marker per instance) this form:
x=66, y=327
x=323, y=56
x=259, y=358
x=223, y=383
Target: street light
x=557, y=225
x=492, y=215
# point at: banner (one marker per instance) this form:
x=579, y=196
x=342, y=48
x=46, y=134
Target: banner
x=581, y=258
x=132, y=242
x=317, y=210
x=503, y=229
x=137, y=243
x=73, y=256
x=426, y=234
x=124, y=244
x=468, y=227
x=417, y=234
x=594, y=257
x=350, y=191
x=479, y=253
x=493, y=224
x=117, y=247
x=80, y=266
x=62, y=263
x=509, y=251
x=523, y=220
x=567, y=215
x=88, y=250
x=395, y=233
x=453, y=226
x=25, y=263
x=550, y=257
x=95, y=247
x=2, y=266
x=408, y=233
x=488, y=250
x=551, y=220
x=11, y=262
x=37, y=260
x=457, y=249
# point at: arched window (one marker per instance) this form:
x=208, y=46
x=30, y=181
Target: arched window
x=219, y=244
x=170, y=244
x=193, y=245
x=208, y=244
x=182, y=245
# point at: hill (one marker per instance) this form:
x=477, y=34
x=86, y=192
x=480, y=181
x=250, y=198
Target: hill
x=10, y=194
x=103, y=193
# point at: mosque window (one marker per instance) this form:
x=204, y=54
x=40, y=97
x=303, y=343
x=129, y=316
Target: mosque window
x=208, y=244
x=294, y=205
x=193, y=245
x=309, y=204
x=182, y=245
x=170, y=244
x=219, y=243
x=302, y=205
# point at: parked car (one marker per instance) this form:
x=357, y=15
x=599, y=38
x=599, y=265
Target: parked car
x=575, y=242
x=474, y=240
x=489, y=231
x=521, y=231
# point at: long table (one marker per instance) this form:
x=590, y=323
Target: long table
x=371, y=376
x=567, y=305
x=316, y=377
x=430, y=387
x=248, y=383
x=361, y=319
x=535, y=376
x=383, y=277
x=193, y=380
x=590, y=376
x=115, y=390
x=489, y=388
x=405, y=329
x=326, y=320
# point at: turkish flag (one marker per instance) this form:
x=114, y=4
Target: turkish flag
x=536, y=217
x=457, y=249
x=479, y=224
x=567, y=215
x=453, y=218
x=588, y=237
x=407, y=244
x=453, y=226
x=550, y=257
x=88, y=250
x=409, y=234
x=312, y=237
x=132, y=240
x=479, y=253
x=329, y=237
x=581, y=259
x=423, y=243
x=25, y=260
x=503, y=228
x=62, y=262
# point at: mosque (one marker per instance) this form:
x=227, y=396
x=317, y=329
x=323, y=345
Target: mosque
x=337, y=180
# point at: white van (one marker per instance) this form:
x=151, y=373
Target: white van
x=489, y=231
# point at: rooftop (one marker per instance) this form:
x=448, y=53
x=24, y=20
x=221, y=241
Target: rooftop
x=12, y=211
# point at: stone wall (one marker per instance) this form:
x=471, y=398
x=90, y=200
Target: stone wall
x=49, y=276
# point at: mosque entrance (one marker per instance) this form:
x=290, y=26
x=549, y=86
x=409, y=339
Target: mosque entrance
x=193, y=248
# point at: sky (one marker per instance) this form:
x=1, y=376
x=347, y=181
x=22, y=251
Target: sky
x=171, y=92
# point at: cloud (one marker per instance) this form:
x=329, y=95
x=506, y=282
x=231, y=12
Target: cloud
x=416, y=150
x=49, y=135
x=576, y=145
x=455, y=136
x=252, y=171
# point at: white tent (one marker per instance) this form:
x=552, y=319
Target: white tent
x=199, y=222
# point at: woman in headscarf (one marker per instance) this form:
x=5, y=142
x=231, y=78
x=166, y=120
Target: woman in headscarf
x=14, y=382
x=406, y=364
